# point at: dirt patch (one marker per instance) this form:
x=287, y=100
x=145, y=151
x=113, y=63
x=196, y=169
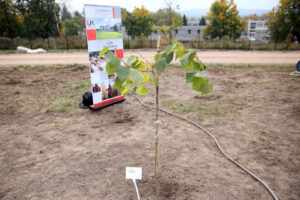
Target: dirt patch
x=51, y=149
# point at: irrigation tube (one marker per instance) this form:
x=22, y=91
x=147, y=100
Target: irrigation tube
x=136, y=189
x=217, y=143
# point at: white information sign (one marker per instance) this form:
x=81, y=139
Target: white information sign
x=134, y=173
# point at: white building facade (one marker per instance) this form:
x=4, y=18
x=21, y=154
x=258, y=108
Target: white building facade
x=258, y=30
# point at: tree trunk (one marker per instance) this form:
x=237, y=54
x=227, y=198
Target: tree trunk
x=30, y=43
x=67, y=41
x=12, y=40
x=48, y=42
x=157, y=140
x=275, y=48
x=249, y=44
x=157, y=127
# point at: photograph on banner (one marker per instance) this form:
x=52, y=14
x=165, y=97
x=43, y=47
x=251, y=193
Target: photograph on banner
x=102, y=82
x=108, y=28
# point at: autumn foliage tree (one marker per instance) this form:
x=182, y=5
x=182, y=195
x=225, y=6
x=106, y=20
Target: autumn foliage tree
x=224, y=20
x=139, y=22
x=284, y=23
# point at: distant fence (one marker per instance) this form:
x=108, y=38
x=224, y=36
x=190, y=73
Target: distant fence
x=79, y=42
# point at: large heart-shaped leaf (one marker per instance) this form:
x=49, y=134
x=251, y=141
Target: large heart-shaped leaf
x=161, y=65
x=189, y=76
x=135, y=76
x=122, y=72
x=142, y=90
x=103, y=51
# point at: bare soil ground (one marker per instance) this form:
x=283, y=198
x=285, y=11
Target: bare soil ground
x=210, y=56
x=51, y=149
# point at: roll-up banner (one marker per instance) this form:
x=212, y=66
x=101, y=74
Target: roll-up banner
x=103, y=29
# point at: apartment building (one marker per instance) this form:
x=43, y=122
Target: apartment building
x=258, y=30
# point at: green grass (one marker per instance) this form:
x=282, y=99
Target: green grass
x=104, y=35
x=17, y=91
x=179, y=107
x=64, y=104
x=7, y=51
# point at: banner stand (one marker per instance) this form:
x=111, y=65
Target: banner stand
x=103, y=29
x=109, y=102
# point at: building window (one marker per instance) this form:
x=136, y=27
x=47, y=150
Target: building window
x=176, y=31
x=198, y=31
x=252, y=26
x=189, y=31
x=260, y=24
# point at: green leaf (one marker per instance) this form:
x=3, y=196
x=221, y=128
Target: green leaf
x=169, y=57
x=201, y=85
x=132, y=60
x=113, y=62
x=161, y=65
x=128, y=82
x=189, y=76
x=125, y=91
x=118, y=83
x=206, y=87
x=200, y=74
x=147, y=78
x=142, y=90
x=180, y=52
x=135, y=76
x=202, y=66
x=154, y=80
x=122, y=72
x=158, y=56
x=185, y=59
x=109, y=69
x=103, y=51
x=140, y=65
x=197, y=81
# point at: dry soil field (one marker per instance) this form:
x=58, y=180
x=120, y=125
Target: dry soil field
x=51, y=149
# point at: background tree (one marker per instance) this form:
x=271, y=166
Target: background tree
x=173, y=5
x=162, y=17
x=139, y=22
x=224, y=20
x=11, y=21
x=65, y=13
x=40, y=18
x=72, y=27
x=184, y=20
x=202, y=21
x=79, y=20
x=253, y=16
x=124, y=14
x=284, y=23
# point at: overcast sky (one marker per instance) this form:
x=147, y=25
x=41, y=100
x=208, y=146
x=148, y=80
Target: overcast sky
x=154, y=5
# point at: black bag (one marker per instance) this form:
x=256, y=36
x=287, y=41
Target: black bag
x=87, y=100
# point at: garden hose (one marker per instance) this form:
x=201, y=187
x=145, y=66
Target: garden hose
x=217, y=143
